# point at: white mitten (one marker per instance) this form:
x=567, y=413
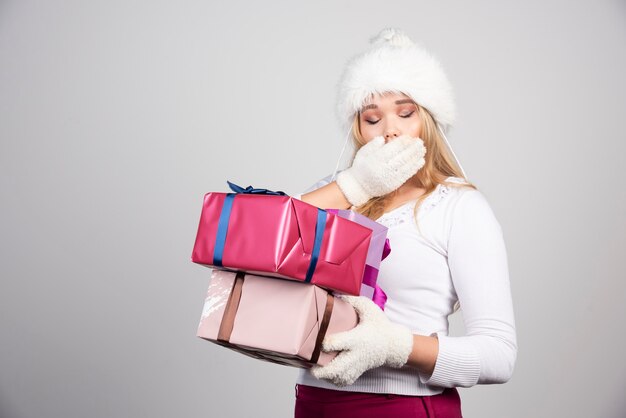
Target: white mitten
x=374, y=342
x=380, y=168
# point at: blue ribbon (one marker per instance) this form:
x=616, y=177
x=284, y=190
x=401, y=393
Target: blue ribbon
x=251, y=190
x=317, y=244
x=222, y=227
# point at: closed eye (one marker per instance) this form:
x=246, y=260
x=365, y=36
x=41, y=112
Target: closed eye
x=372, y=122
x=408, y=115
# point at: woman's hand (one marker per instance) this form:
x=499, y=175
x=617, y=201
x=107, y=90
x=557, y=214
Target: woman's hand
x=381, y=168
x=374, y=342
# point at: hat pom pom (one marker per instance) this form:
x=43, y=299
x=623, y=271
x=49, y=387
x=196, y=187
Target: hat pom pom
x=393, y=37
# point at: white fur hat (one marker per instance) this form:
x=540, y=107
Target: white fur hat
x=394, y=63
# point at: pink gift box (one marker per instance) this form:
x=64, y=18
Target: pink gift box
x=282, y=237
x=274, y=320
x=378, y=250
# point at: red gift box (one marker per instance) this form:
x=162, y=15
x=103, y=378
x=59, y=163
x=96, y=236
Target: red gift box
x=279, y=236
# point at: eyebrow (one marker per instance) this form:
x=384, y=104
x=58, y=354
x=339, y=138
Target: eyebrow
x=398, y=102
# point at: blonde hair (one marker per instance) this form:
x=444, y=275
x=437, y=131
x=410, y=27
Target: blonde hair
x=439, y=165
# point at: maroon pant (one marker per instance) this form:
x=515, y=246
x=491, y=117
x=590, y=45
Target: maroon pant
x=312, y=402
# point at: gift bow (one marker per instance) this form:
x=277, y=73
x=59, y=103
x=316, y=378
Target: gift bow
x=222, y=227
x=251, y=190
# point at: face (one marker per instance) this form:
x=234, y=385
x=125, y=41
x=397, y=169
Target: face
x=389, y=115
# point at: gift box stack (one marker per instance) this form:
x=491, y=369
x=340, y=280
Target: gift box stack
x=278, y=264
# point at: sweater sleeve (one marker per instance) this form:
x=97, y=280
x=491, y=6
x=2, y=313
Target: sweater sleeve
x=479, y=270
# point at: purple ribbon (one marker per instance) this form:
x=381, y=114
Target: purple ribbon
x=369, y=278
x=379, y=298
x=386, y=249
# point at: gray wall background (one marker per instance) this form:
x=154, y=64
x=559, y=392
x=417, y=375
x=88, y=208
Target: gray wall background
x=116, y=117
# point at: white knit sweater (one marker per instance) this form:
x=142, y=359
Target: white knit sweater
x=459, y=254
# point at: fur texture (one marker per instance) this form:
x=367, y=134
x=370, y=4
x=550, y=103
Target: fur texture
x=374, y=342
x=380, y=168
x=395, y=64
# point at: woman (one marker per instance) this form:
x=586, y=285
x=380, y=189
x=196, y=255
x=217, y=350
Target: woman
x=447, y=250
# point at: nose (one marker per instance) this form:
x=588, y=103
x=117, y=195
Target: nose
x=391, y=133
